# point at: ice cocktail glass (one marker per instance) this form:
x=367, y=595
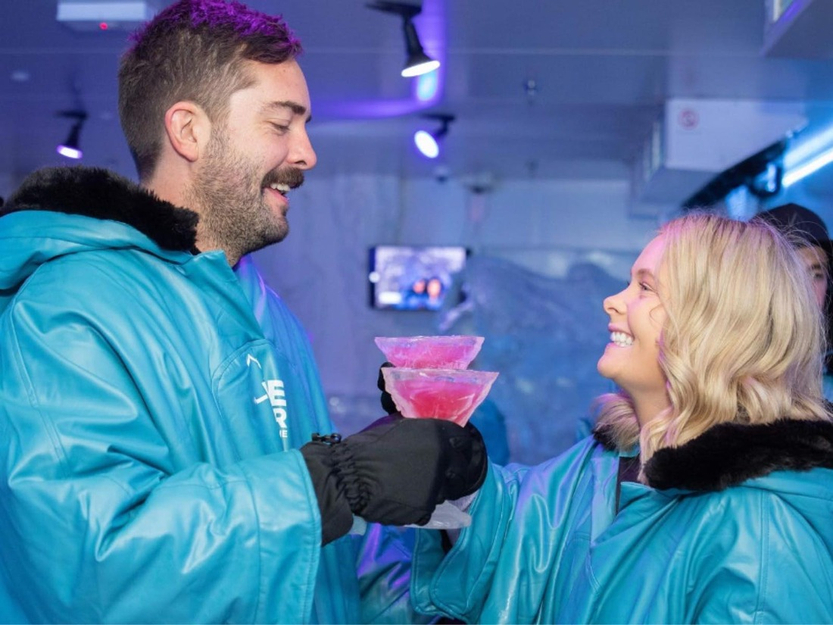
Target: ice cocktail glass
x=451, y=394
x=430, y=352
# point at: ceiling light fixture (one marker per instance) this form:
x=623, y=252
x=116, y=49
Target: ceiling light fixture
x=417, y=62
x=428, y=142
x=71, y=148
x=811, y=166
x=105, y=15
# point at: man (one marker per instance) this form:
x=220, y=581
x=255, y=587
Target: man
x=810, y=237
x=159, y=405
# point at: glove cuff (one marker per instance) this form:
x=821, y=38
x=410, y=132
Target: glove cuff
x=336, y=514
x=355, y=489
x=479, y=460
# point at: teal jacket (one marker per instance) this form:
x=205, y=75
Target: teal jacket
x=737, y=528
x=152, y=402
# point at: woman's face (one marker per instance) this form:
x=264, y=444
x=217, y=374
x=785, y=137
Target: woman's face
x=631, y=358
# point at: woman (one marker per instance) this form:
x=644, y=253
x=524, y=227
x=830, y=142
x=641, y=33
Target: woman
x=706, y=491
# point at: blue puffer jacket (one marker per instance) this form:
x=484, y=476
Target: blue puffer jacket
x=151, y=404
x=737, y=528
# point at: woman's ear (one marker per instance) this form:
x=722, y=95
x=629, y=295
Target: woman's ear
x=187, y=129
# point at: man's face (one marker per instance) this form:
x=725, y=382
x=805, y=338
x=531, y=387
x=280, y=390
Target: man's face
x=252, y=161
x=818, y=267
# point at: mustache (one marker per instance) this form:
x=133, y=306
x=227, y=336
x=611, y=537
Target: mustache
x=290, y=176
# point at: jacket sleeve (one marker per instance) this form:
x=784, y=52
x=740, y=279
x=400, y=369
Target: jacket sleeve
x=499, y=568
x=457, y=584
x=98, y=526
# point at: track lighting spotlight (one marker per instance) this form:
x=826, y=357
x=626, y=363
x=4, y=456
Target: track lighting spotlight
x=428, y=142
x=71, y=148
x=417, y=62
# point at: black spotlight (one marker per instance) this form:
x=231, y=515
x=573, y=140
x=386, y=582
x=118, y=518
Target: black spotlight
x=417, y=62
x=71, y=148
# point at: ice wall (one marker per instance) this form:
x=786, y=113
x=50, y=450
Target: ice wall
x=544, y=335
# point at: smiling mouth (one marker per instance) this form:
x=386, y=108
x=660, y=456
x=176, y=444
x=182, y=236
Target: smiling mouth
x=283, y=189
x=620, y=339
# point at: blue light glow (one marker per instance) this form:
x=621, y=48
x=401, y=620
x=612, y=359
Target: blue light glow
x=808, y=167
x=427, y=86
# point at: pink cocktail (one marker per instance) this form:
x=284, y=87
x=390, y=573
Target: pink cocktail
x=430, y=352
x=450, y=394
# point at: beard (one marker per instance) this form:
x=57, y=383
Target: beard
x=230, y=196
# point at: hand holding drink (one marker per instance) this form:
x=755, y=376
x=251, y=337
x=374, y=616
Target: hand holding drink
x=429, y=380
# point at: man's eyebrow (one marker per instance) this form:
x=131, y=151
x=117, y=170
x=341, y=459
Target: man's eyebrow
x=297, y=109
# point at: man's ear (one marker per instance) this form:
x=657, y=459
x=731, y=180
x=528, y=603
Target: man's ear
x=187, y=129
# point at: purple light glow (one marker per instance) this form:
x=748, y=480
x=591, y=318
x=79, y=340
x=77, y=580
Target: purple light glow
x=367, y=109
x=233, y=15
x=792, y=11
x=426, y=90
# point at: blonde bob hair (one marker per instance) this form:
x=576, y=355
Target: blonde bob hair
x=742, y=340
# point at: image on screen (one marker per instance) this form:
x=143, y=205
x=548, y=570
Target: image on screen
x=413, y=278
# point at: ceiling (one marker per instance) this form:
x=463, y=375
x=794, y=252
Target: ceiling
x=539, y=88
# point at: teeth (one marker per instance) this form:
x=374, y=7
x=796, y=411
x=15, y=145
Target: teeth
x=283, y=189
x=621, y=339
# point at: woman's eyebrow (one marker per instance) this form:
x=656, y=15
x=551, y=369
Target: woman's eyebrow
x=644, y=273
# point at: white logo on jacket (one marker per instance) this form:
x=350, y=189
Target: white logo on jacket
x=276, y=395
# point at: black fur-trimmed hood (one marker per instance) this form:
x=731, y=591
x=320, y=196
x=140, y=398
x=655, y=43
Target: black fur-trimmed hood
x=728, y=454
x=95, y=192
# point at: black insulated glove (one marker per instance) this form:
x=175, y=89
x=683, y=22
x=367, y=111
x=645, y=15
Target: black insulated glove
x=394, y=472
x=388, y=404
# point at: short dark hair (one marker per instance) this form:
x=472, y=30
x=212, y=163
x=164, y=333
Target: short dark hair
x=193, y=50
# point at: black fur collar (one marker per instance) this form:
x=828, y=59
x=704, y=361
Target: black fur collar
x=731, y=453
x=95, y=192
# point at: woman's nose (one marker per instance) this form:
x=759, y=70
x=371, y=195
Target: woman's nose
x=614, y=304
